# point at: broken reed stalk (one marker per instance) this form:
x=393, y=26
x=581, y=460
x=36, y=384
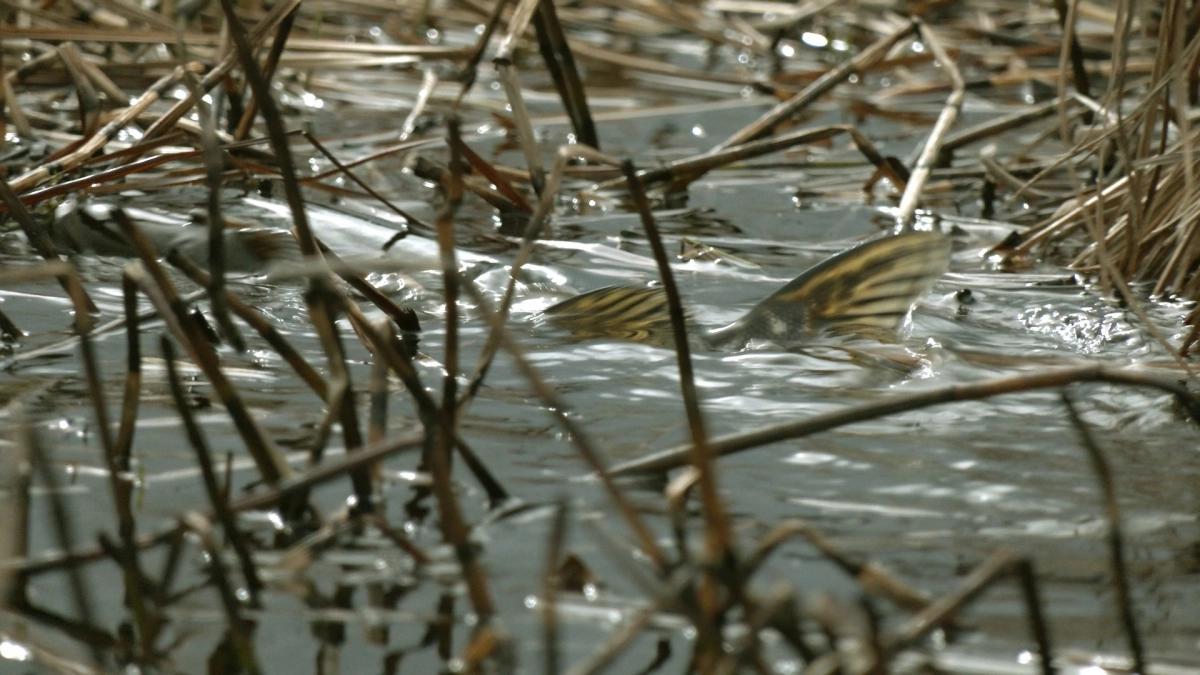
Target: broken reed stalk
x=42, y=244
x=872, y=578
x=63, y=529
x=123, y=446
x=928, y=158
x=556, y=53
x=266, y=497
x=100, y=138
x=216, y=496
x=345, y=170
x=258, y=322
x=155, y=285
x=719, y=539
x=8, y=329
x=250, y=111
x=275, y=129
x=121, y=486
x=214, y=166
x=389, y=348
x=342, y=399
x=1001, y=564
x=452, y=193
x=1120, y=574
x=16, y=482
x=533, y=230
x=239, y=631
x=550, y=583
x=219, y=71
x=683, y=171
x=678, y=581
x=578, y=436
x=726, y=445
x=789, y=108
x=507, y=73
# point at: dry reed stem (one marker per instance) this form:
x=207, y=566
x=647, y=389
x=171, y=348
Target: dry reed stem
x=533, y=230
x=219, y=71
x=362, y=184
x=725, y=445
x=269, y=67
x=1120, y=575
x=389, y=348
x=342, y=399
x=822, y=85
x=121, y=486
x=529, y=147
x=155, y=285
x=428, y=83
x=871, y=577
x=239, y=630
x=16, y=480
x=214, y=165
x=719, y=540
x=8, y=329
x=681, y=172
x=1000, y=564
x=926, y=161
x=96, y=141
x=254, y=318
x=556, y=54
x=550, y=583
x=578, y=436
x=998, y=125
x=62, y=270
x=60, y=517
x=678, y=581
x=123, y=446
x=216, y=496
x=452, y=192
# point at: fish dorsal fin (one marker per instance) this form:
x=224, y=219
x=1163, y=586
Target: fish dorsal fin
x=630, y=312
x=869, y=289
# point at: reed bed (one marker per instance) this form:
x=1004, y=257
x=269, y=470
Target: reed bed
x=113, y=98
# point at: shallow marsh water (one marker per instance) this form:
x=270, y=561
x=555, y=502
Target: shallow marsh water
x=928, y=494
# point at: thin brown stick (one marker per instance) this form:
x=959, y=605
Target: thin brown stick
x=812, y=92
x=550, y=584
x=269, y=66
x=214, y=168
x=123, y=445
x=1120, y=575
x=159, y=290
x=1000, y=564
x=98, y=140
x=41, y=243
x=718, y=537
x=216, y=496
x=560, y=62
x=219, y=71
x=734, y=443
x=239, y=631
x=929, y=154
x=579, y=437
x=260, y=324
x=63, y=526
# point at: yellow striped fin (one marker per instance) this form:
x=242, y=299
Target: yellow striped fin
x=869, y=289
x=628, y=312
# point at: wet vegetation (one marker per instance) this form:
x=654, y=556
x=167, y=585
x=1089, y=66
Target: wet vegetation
x=278, y=390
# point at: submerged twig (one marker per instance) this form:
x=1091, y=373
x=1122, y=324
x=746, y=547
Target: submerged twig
x=1120, y=575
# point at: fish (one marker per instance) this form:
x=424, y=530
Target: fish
x=258, y=241
x=867, y=290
